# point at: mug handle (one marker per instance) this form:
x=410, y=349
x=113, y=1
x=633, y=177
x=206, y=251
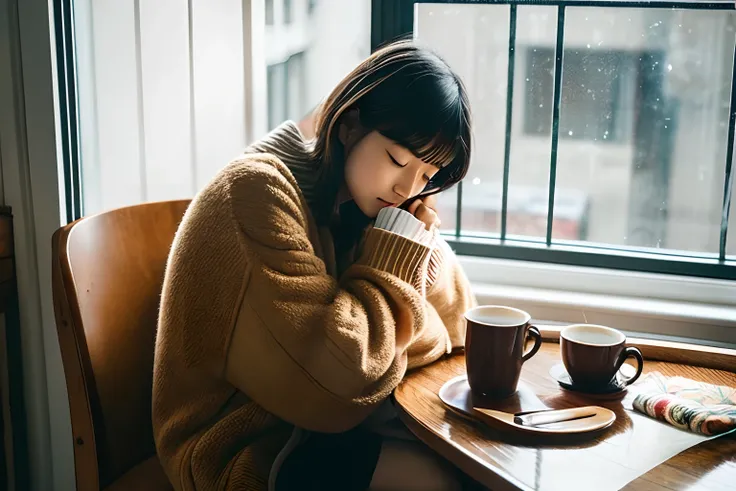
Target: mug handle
x=534, y=333
x=626, y=354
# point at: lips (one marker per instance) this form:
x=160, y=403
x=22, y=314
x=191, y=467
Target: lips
x=386, y=203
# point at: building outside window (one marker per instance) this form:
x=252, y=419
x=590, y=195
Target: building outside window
x=269, y=12
x=287, y=12
x=597, y=86
x=316, y=43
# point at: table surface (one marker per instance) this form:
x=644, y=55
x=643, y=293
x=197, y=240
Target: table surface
x=510, y=461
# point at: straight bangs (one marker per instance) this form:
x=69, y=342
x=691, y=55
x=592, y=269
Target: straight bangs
x=448, y=150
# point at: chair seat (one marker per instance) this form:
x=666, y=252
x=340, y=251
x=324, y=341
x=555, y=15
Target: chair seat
x=146, y=476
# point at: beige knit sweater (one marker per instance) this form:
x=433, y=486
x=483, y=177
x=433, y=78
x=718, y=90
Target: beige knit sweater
x=259, y=331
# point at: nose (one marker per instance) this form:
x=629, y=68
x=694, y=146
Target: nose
x=402, y=195
x=407, y=185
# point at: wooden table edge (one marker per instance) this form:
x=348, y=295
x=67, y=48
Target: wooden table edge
x=667, y=351
x=470, y=465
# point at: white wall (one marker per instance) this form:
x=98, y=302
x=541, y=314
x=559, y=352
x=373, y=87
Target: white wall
x=31, y=188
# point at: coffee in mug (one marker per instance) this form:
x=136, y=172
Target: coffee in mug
x=593, y=354
x=494, y=348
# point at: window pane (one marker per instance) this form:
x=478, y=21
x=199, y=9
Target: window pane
x=161, y=97
x=162, y=110
x=643, y=121
x=446, y=209
x=531, y=129
x=653, y=157
x=317, y=49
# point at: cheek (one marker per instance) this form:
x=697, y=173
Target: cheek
x=355, y=178
x=366, y=174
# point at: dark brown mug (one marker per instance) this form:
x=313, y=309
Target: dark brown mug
x=494, y=348
x=593, y=354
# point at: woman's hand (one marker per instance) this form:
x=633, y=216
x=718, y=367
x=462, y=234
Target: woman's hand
x=425, y=210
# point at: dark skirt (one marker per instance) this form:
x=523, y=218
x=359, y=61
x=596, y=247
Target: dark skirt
x=342, y=461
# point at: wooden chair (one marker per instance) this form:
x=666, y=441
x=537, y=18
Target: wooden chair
x=108, y=271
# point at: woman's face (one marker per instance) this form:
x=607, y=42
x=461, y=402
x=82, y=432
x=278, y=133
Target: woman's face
x=381, y=173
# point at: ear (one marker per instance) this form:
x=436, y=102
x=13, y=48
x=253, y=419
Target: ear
x=349, y=127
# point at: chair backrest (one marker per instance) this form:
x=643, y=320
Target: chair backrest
x=108, y=272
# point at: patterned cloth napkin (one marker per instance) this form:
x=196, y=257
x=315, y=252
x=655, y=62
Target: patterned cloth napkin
x=703, y=408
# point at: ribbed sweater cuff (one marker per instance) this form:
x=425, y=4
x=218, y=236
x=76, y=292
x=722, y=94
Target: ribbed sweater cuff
x=394, y=254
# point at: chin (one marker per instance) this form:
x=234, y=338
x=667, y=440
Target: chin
x=369, y=211
x=372, y=214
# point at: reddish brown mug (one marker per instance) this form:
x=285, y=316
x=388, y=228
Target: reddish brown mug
x=494, y=348
x=593, y=354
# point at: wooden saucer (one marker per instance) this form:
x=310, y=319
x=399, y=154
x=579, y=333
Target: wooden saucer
x=456, y=395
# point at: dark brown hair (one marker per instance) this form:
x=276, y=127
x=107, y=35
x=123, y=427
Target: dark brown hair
x=408, y=94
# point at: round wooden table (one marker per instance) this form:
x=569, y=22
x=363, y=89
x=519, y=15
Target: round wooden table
x=610, y=460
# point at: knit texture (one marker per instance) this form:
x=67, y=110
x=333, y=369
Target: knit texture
x=259, y=331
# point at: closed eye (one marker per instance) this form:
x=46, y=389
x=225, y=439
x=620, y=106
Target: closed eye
x=394, y=160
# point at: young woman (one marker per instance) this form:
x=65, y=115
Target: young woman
x=295, y=298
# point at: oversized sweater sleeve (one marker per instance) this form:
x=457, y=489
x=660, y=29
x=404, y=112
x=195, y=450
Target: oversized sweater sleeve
x=316, y=351
x=449, y=291
x=448, y=297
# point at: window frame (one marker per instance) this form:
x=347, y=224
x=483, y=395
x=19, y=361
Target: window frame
x=392, y=19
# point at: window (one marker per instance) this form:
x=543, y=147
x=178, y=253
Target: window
x=161, y=111
x=613, y=154
x=627, y=168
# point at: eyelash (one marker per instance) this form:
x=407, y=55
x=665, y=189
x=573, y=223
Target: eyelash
x=396, y=162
